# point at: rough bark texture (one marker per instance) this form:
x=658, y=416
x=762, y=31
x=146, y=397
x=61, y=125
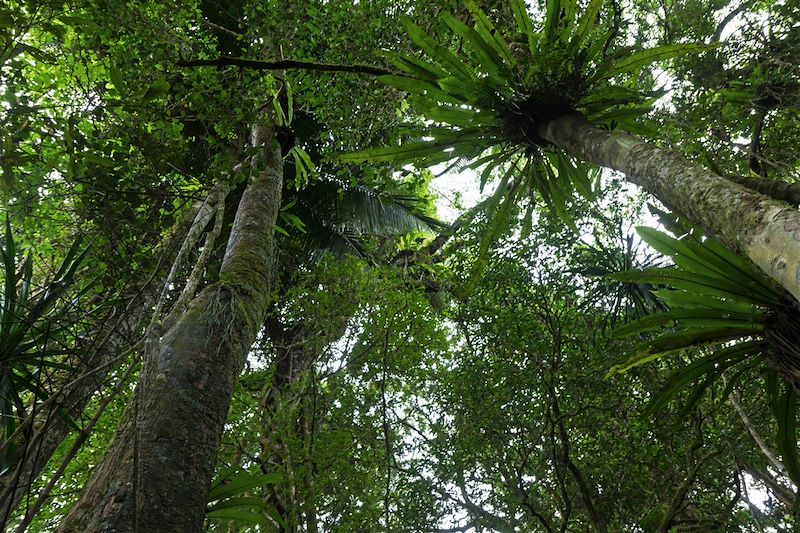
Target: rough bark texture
x=751, y=224
x=156, y=474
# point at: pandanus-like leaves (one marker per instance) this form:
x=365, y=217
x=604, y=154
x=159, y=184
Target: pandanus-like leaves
x=34, y=330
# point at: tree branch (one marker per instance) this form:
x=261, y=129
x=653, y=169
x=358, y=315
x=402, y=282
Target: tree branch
x=583, y=487
x=751, y=429
x=285, y=64
x=784, y=494
x=774, y=188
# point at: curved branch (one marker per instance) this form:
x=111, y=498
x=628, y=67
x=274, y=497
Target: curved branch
x=755, y=162
x=776, y=189
x=727, y=20
x=285, y=64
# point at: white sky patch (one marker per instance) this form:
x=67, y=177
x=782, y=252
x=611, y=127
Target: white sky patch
x=457, y=191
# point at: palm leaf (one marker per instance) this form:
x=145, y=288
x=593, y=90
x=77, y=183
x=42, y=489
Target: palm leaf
x=490, y=34
x=645, y=57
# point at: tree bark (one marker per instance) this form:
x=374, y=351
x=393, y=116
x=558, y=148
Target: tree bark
x=774, y=188
x=751, y=224
x=156, y=474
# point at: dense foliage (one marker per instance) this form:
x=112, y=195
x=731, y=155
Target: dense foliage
x=534, y=364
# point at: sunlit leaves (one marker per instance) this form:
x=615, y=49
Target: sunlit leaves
x=485, y=98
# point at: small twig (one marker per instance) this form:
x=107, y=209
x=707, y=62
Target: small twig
x=219, y=28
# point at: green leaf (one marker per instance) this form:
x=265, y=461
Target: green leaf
x=691, y=282
x=500, y=220
x=786, y=416
x=680, y=253
x=405, y=83
x=696, y=395
x=417, y=67
x=459, y=116
x=156, y=90
x=683, y=299
x=404, y=152
x=240, y=515
x=716, y=363
x=6, y=18
x=710, y=254
x=645, y=57
x=553, y=9
x=616, y=115
x=439, y=53
x=585, y=23
x=694, y=318
x=524, y=24
x=485, y=53
x=490, y=34
x=239, y=482
x=241, y=501
x=289, y=101
x=68, y=420
x=116, y=79
x=664, y=344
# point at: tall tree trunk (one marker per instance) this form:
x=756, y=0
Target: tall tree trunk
x=156, y=474
x=751, y=224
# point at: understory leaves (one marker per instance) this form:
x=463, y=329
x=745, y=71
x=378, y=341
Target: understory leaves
x=229, y=497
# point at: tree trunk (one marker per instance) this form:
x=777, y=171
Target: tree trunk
x=110, y=343
x=156, y=474
x=751, y=224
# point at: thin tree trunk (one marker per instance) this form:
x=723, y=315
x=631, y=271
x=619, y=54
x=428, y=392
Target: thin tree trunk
x=298, y=349
x=156, y=474
x=751, y=224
